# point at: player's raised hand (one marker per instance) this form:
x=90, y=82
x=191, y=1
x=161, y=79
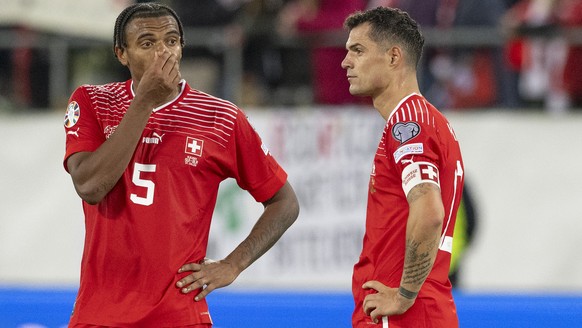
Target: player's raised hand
x=160, y=80
x=208, y=275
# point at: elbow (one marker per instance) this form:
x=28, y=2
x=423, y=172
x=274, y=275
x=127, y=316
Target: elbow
x=436, y=222
x=285, y=202
x=89, y=184
x=291, y=210
x=429, y=220
x=435, y=217
x=293, y=207
x=294, y=210
x=89, y=194
x=92, y=200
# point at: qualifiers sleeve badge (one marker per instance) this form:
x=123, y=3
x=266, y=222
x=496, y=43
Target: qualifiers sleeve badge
x=403, y=132
x=72, y=114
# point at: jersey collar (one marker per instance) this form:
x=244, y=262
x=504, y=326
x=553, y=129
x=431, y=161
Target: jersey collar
x=400, y=104
x=182, y=84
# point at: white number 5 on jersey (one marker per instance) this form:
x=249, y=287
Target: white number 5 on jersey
x=148, y=184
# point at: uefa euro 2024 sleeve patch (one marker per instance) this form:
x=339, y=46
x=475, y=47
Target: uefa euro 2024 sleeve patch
x=419, y=172
x=72, y=115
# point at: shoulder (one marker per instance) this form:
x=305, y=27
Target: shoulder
x=113, y=87
x=109, y=91
x=208, y=104
x=414, y=108
x=409, y=118
x=415, y=113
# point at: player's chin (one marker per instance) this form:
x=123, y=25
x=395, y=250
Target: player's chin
x=355, y=91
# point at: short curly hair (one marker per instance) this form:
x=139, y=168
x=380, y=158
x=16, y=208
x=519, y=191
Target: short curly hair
x=142, y=10
x=391, y=25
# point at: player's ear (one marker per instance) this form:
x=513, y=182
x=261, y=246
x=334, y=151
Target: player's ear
x=120, y=53
x=394, y=55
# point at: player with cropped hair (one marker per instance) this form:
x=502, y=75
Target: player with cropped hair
x=401, y=278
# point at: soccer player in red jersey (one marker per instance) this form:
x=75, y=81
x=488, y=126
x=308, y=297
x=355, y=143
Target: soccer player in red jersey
x=147, y=156
x=401, y=278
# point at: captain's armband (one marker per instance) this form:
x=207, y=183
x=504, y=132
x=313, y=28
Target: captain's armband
x=419, y=172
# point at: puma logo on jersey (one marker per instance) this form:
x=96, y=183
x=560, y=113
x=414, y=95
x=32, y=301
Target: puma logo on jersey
x=156, y=139
x=157, y=135
x=75, y=133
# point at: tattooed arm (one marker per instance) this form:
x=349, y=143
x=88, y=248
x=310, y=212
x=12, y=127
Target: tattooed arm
x=423, y=230
x=425, y=220
x=279, y=214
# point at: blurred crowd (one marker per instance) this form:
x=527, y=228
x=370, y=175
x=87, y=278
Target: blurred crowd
x=292, y=49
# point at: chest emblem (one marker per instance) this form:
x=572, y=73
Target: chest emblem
x=194, y=146
x=193, y=151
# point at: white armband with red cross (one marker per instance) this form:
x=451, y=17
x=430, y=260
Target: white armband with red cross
x=419, y=172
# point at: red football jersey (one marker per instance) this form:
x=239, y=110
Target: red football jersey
x=418, y=146
x=157, y=217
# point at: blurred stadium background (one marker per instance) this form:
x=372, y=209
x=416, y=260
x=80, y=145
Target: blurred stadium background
x=520, y=141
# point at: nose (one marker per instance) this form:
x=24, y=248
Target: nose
x=346, y=63
x=162, y=47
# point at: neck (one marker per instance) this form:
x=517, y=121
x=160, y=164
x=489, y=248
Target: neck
x=398, y=88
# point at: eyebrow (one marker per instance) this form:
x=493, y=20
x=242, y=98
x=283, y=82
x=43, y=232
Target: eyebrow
x=353, y=46
x=144, y=36
x=147, y=35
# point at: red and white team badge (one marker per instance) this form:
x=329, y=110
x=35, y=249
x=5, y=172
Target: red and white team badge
x=429, y=172
x=417, y=173
x=194, y=146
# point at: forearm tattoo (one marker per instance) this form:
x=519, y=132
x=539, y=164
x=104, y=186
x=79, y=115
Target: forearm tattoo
x=264, y=235
x=419, y=254
x=419, y=261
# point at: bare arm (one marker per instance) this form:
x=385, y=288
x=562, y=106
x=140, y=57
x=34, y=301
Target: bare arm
x=95, y=173
x=279, y=214
x=423, y=229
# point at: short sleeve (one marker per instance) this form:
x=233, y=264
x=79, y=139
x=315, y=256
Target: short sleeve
x=256, y=170
x=412, y=143
x=83, y=131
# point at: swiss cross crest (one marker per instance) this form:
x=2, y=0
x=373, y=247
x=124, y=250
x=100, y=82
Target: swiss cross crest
x=194, y=146
x=429, y=172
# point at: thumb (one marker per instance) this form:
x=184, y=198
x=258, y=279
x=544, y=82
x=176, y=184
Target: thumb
x=372, y=284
